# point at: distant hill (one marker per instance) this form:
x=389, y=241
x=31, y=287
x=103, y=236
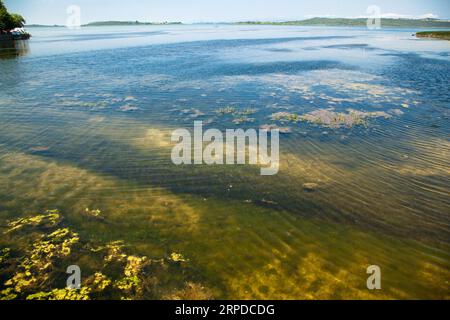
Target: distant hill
x=126, y=23
x=362, y=22
x=105, y=23
x=42, y=26
x=445, y=35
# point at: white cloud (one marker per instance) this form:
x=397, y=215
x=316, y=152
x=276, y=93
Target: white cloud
x=429, y=16
x=407, y=16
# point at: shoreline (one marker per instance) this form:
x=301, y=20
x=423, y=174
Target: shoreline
x=12, y=37
x=440, y=35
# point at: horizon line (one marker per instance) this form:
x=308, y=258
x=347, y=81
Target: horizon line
x=244, y=21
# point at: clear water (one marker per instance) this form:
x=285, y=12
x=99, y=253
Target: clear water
x=86, y=117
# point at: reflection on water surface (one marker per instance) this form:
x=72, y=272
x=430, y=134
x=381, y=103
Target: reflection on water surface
x=13, y=49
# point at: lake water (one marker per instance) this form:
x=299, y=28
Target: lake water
x=85, y=122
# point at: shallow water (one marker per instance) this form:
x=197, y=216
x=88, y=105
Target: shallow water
x=85, y=122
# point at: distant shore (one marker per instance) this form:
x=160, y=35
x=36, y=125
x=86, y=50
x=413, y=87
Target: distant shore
x=361, y=22
x=108, y=23
x=319, y=22
x=443, y=35
x=12, y=37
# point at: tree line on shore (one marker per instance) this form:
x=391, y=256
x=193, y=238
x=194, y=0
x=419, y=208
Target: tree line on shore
x=9, y=21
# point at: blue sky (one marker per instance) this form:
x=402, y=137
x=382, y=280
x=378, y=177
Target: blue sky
x=54, y=11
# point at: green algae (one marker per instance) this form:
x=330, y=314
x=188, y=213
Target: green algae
x=239, y=116
x=330, y=118
x=226, y=110
x=93, y=213
x=116, y=274
x=62, y=294
x=4, y=254
x=99, y=282
x=50, y=219
x=285, y=117
x=177, y=257
x=43, y=253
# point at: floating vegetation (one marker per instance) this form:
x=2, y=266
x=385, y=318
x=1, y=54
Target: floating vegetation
x=240, y=116
x=83, y=104
x=269, y=127
x=241, y=120
x=226, y=110
x=247, y=112
x=285, y=117
x=330, y=118
x=45, y=251
x=236, y=112
x=4, y=255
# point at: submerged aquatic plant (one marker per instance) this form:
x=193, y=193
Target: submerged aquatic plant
x=36, y=267
x=115, y=252
x=4, y=254
x=131, y=283
x=94, y=213
x=191, y=291
x=241, y=120
x=99, y=282
x=246, y=112
x=177, y=257
x=50, y=219
x=47, y=251
x=62, y=294
x=285, y=116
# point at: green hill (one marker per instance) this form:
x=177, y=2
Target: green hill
x=362, y=22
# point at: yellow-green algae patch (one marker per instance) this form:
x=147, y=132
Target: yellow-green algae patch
x=36, y=272
x=50, y=219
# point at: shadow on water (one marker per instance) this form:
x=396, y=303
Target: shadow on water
x=12, y=49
